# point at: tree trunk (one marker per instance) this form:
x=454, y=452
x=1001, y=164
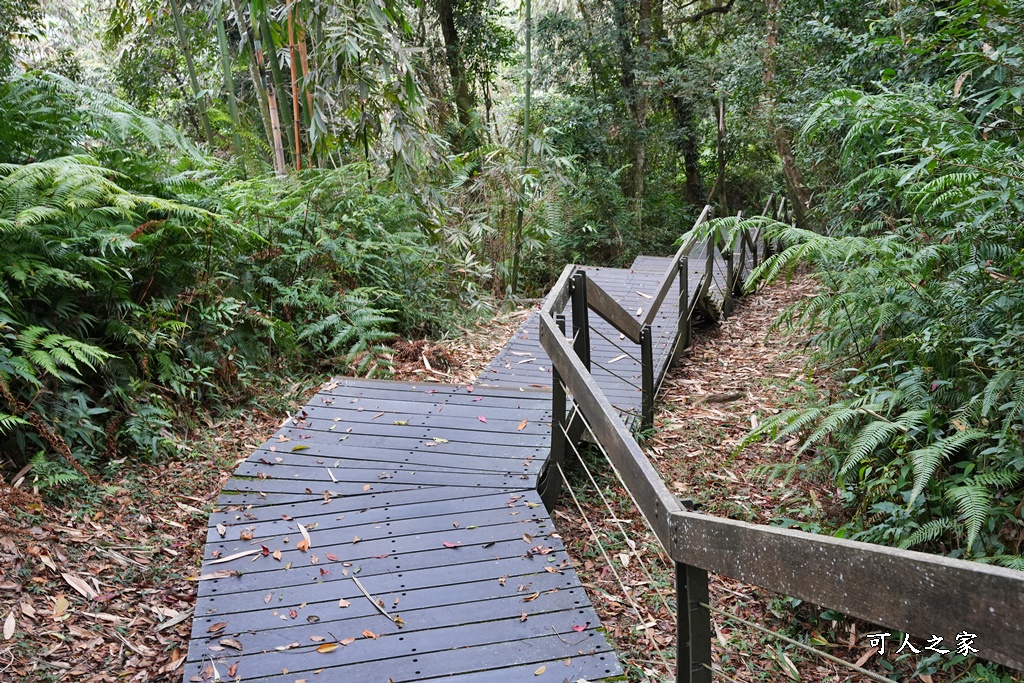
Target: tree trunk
x=254, y=72
x=201, y=100
x=723, y=198
x=799, y=195
x=293, y=58
x=635, y=93
x=275, y=123
x=689, y=149
x=229, y=86
x=279, y=90
x=463, y=96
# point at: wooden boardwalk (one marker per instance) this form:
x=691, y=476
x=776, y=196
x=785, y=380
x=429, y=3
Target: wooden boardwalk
x=615, y=359
x=424, y=496
x=393, y=532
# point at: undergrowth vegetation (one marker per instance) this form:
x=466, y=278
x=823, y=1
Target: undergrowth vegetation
x=920, y=313
x=142, y=282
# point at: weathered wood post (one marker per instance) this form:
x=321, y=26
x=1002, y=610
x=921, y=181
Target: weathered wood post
x=693, y=625
x=647, y=379
x=683, y=333
x=693, y=622
x=580, y=318
x=552, y=485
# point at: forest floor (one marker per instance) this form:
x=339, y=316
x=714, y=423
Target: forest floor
x=99, y=590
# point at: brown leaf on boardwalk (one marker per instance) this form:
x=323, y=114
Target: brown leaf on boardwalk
x=343, y=603
x=449, y=544
x=522, y=425
x=502, y=580
x=528, y=538
x=347, y=641
x=370, y=634
x=366, y=487
x=331, y=556
x=233, y=669
x=539, y=671
x=326, y=647
x=276, y=555
x=302, y=545
x=532, y=597
x=355, y=539
x=231, y=642
x=522, y=616
x=267, y=598
x=246, y=535
x=219, y=626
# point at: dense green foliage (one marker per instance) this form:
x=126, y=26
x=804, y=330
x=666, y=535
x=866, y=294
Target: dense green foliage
x=141, y=281
x=335, y=174
x=918, y=246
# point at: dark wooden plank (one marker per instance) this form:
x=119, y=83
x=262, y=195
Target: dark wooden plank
x=549, y=649
x=407, y=441
x=458, y=603
x=427, y=458
x=424, y=549
x=246, y=611
x=592, y=668
x=901, y=589
x=386, y=574
x=406, y=519
x=355, y=484
x=370, y=504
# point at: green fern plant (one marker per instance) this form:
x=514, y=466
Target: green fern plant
x=919, y=313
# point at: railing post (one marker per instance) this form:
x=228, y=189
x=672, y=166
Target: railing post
x=730, y=276
x=580, y=318
x=647, y=379
x=551, y=487
x=683, y=333
x=693, y=625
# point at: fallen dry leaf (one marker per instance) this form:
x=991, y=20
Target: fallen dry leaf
x=231, y=642
x=80, y=585
x=539, y=671
x=522, y=425
x=9, y=625
x=219, y=626
x=370, y=634
x=326, y=647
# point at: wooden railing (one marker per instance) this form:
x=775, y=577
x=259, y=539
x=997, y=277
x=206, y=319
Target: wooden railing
x=909, y=591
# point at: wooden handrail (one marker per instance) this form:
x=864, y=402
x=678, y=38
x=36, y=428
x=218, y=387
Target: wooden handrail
x=655, y=501
x=670, y=273
x=905, y=590
x=604, y=305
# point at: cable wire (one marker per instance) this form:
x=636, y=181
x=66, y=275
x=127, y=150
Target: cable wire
x=629, y=541
x=604, y=552
x=803, y=646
